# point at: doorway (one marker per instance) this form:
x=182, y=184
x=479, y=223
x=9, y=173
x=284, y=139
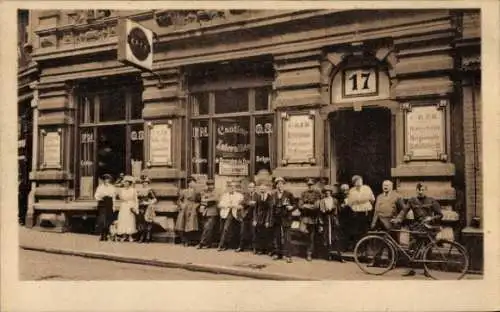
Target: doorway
x=111, y=151
x=362, y=146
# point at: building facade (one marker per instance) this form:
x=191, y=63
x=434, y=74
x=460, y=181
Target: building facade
x=324, y=94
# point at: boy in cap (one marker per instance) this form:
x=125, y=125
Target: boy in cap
x=329, y=208
x=209, y=213
x=308, y=205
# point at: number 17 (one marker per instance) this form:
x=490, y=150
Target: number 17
x=354, y=78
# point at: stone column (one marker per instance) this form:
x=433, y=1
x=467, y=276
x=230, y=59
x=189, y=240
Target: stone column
x=30, y=218
x=165, y=108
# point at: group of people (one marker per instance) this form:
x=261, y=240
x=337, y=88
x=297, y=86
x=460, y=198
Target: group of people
x=133, y=218
x=266, y=220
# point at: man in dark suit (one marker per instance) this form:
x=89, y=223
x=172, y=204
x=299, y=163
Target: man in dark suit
x=260, y=221
x=280, y=220
x=209, y=213
x=308, y=205
x=245, y=216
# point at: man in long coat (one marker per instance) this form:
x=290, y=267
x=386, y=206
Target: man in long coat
x=308, y=205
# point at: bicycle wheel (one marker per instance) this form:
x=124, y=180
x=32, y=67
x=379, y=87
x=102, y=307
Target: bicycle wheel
x=374, y=255
x=444, y=259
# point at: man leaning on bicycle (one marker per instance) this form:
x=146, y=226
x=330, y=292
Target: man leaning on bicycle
x=426, y=210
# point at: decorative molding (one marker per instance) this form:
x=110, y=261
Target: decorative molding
x=76, y=17
x=442, y=104
x=406, y=107
x=169, y=18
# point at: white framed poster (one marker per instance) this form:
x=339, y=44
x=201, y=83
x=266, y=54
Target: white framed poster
x=160, y=144
x=298, y=138
x=51, y=149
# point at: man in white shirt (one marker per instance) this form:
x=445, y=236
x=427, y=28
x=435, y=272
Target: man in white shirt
x=229, y=204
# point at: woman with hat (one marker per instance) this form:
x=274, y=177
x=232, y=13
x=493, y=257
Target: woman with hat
x=129, y=207
x=146, y=215
x=329, y=209
x=187, y=220
x=105, y=196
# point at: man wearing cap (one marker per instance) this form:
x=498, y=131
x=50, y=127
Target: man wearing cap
x=425, y=210
x=209, y=213
x=280, y=220
x=329, y=208
x=308, y=205
x=229, y=204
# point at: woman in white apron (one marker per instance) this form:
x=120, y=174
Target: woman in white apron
x=129, y=207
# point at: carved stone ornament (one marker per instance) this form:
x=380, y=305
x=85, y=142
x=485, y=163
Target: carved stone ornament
x=87, y=16
x=87, y=35
x=185, y=17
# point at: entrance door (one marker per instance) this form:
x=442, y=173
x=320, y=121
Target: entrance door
x=111, y=151
x=362, y=143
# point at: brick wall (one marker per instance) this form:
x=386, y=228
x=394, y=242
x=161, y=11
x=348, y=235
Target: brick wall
x=473, y=164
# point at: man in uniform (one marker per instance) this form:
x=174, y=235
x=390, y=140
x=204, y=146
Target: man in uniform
x=426, y=210
x=210, y=215
x=308, y=205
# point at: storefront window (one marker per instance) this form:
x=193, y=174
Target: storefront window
x=136, y=106
x=200, y=147
x=87, y=110
x=136, y=149
x=232, y=147
x=200, y=104
x=262, y=100
x=112, y=105
x=263, y=143
x=231, y=101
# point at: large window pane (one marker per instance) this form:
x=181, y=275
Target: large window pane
x=200, y=147
x=263, y=143
x=87, y=163
x=112, y=105
x=87, y=109
x=262, y=98
x=200, y=103
x=136, y=105
x=136, y=149
x=231, y=101
x=232, y=149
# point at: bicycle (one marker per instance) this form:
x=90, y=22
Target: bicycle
x=378, y=253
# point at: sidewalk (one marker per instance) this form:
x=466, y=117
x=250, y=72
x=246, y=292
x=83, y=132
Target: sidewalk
x=207, y=260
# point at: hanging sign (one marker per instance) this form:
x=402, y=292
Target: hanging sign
x=424, y=132
x=298, y=137
x=135, y=44
x=160, y=142
x=52, y=149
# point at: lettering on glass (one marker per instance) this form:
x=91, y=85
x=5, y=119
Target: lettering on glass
x=233, y=166
x=359, y=82
x=160, y=144
x=298, y=139
x=424, y=132
x=52, y=150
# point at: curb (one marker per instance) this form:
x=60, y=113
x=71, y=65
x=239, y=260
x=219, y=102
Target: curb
x=215, y=269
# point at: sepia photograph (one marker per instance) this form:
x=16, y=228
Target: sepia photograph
x=220, y=144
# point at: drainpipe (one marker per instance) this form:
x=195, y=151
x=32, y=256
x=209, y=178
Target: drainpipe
x=34, y=156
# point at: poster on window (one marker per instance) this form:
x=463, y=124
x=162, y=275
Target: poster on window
x=160, y=143
x=232, y=149
x=424, y=132
x=298, y=144
x=52, y=150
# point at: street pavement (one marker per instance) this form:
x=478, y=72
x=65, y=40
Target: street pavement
x=42, y=266
x=244, y=264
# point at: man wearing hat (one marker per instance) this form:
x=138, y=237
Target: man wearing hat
x=283, y=203
x=308, y=205
x=209, y=213
x=425, y=210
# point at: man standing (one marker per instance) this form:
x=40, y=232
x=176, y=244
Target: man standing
x=260, y=221
x=245, y=215
x=209, y=213
x=387, y=206
x=229, y=204
x=308, y=205
x=280, y=220
x=425, y=210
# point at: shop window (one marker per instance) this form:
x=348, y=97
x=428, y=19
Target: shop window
x=200, y=104
x=200, y=147
x=136, y=149
x=136, y=106
x=112, y=106
x=87, y=109
x=231, y=101
x=263, y=143
x=232, y=147
x=262, y=98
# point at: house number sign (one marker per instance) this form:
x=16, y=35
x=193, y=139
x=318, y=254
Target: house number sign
x=359, y=82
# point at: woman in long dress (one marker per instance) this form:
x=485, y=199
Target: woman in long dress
x=105, y=196
x=128, y=209
x=146, y=215
x=187, y=220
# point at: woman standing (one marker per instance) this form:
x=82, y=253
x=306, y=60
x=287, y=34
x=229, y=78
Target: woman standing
x=361, y=200
x=105, y=196
x=146, y=215
x=329, y=209
x=128, y=209
x=187, y=220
